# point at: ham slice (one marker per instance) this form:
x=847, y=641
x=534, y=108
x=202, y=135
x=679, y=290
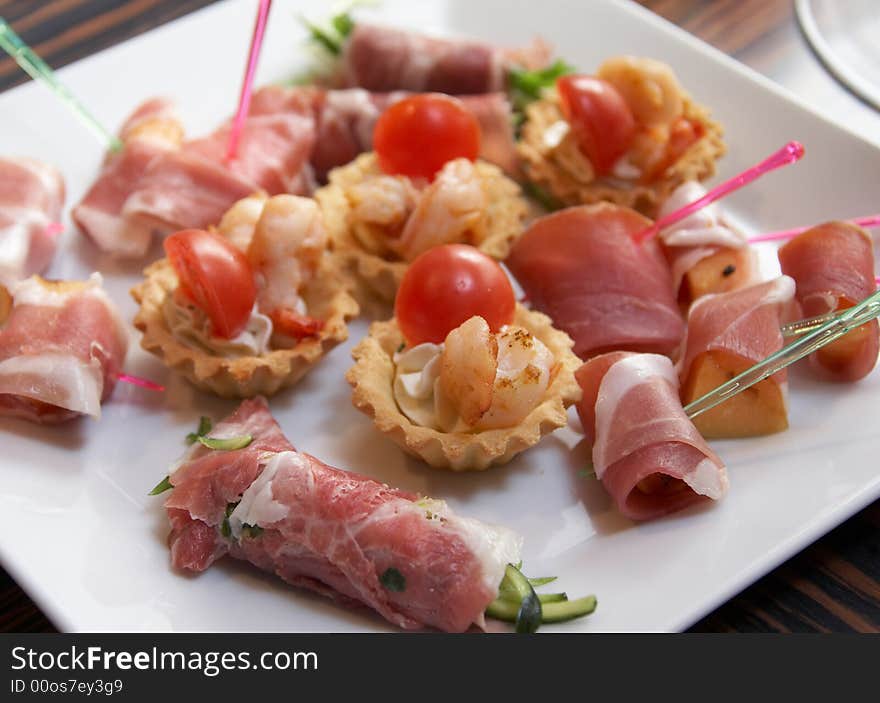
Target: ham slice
x=61, y=350
x=743, y=323
x=384, y=59
x=334, y=532
x=833, y=267
x=31, y=198
x=581, y=267
x=152, y=130
x=157, y=184
x=646, y=451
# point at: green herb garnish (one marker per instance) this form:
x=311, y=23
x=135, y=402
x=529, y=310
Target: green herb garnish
x=225, y=528
x=204, y=427
x=333, y=36
x=227, y=443
x=162, y=486
x=393, y=580
x=527, y=86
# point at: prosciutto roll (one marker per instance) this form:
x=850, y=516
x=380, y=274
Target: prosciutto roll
x=646, y=451
x=704, y=253
x=384, y=59
x=151, y=131
x=31, y=198
x=334, y=532
x=581, y=267
x=61, y=350
x=157, y=183
x=726, y=334
x=833, y=267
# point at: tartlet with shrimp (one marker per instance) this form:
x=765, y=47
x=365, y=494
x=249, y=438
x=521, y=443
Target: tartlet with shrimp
x=249, y=308
x=422, y=186
x=463, y=377
x=629, y=135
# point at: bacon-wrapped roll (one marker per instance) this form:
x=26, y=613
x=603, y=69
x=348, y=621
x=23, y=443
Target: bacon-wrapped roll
x=726, y=334
x=31, y=198
x=334, y=532
x=61, y=350
x=833, y=267
x=646, y=451
x=385, y=58
x=582, y=268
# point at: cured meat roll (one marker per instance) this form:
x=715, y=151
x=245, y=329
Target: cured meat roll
x=334, y=532
x=727, y=333
x=31, y=198
x=582, y=268
x=385, y=58
x=833, y=267
x=152, y=130
x=705, y=254
x=646, y=451
x=157, y=183
x=61, y=350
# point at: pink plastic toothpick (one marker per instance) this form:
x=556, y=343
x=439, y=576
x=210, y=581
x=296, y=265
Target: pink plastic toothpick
x=869, y=221
x=244, y=100
x=53, y=229
x=138, y=381
x=788, y=154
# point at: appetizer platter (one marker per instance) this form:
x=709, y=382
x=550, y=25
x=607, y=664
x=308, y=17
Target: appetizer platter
x=309, y=397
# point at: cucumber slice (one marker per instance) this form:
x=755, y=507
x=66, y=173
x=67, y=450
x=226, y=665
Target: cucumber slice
x=528, y=618
x=542, y=580
x=568, y=610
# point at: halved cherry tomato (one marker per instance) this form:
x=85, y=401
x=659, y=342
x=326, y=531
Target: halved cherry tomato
x=448, y=285
x=599, y=117
x=417, y=135
x=216, y=276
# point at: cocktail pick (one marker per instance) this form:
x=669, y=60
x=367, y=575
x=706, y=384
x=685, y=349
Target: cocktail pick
x=138, y=381
x=837, y=326
x=788, y=154
x=40, y=71
x=244, y=100
x=869, y=221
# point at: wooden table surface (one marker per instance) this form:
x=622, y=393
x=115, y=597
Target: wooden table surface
x=834, y=585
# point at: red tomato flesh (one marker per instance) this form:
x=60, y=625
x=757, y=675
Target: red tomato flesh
x=416, y=136
x=599, y=117
x=214, y=275
x=448, y=285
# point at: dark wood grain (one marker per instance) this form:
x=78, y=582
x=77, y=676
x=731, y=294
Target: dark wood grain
x=833, y=586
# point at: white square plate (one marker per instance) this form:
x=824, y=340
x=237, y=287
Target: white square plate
x=84, y=539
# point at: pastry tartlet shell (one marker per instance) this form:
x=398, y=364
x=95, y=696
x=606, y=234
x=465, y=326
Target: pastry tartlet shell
x=544, y=165
x=375, y=277
x=372, y=378
x=326, y=297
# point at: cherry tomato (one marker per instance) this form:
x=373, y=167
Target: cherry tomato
x=417, y=135
x=215, y=276
x=295, y=325
x=599, y=117
x=448, y=285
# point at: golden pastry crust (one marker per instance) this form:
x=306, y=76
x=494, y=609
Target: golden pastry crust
x=568, y=175
x=374, y=275
x=372, y=379
x=326, y=297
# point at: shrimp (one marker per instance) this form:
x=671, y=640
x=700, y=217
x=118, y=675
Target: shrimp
x=380, y=207
x=525, y=367
x=239, y=221
x=468, y=365
x=451, y=209
x=494, y=380
x=285, y=252
x=649, y=87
